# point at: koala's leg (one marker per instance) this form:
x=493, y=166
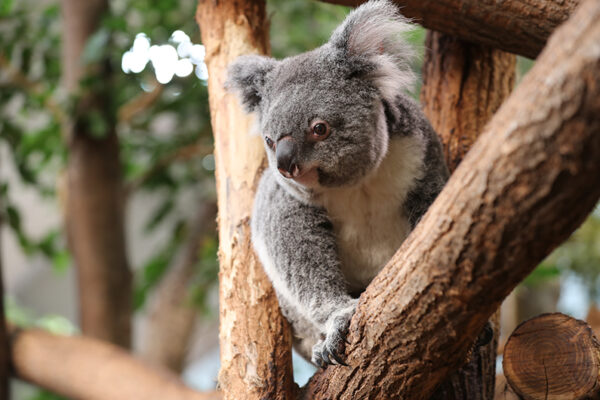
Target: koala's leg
x=296, y=245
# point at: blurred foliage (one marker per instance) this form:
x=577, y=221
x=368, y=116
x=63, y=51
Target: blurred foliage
x=580, y=254
x=52, y=323
x=164, y=130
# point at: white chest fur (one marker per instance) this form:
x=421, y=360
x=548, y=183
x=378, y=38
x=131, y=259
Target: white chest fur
x=368, y=218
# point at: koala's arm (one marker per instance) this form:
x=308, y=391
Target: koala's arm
x=296, y=245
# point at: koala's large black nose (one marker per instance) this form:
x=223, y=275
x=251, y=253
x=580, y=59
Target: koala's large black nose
x=286, y=157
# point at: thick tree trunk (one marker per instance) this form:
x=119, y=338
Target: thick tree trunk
x=95, y=198
x=83, y=368
x=255, y=339
x=464, y=84
x=172, y=317
x=526, y=184
x=517, y=26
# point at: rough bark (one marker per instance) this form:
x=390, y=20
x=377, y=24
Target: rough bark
x=255, y=340
x=83, y=368
x=464, y=84
x=553, y=356
x=171, y=317
x=95, y=199
x=525, y=185
x=516, y=26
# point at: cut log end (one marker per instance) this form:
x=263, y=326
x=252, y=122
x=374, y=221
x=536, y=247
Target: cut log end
x=552, y=356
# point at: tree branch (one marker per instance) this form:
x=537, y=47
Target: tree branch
x=516, y=26
x=83, y=368
x=527, y=183
x=139, y=104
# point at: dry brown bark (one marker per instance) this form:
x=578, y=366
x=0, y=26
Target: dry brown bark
x=464, y=84
x=553, y=356
x=516, y=26
x=79, y=367
x=255, y=340
x=526, y=184
x=171, y=316
x=95, y=198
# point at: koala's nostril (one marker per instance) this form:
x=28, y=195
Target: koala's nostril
x=286, y=155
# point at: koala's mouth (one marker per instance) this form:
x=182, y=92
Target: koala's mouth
x=306, y=176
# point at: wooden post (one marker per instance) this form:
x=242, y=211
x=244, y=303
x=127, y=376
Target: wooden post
x=464, y=84
x=553, y=356
x=255, y=339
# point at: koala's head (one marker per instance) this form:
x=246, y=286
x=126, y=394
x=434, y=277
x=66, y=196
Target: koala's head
x=323, y=113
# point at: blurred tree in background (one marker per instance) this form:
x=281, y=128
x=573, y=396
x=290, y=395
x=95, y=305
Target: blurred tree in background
x=165, y=144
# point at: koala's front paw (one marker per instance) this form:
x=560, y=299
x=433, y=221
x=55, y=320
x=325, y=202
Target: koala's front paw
x=330, y=349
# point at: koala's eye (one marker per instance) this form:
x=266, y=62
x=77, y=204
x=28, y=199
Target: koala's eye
x=270, y=142
x=320, y=130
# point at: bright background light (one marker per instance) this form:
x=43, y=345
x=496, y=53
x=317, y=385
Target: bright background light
x=166, y=59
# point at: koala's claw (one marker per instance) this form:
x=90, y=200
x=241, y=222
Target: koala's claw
x=338, y=359
x=325, y=356
x=330, y=350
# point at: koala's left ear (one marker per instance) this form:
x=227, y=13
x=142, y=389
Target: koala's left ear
x=374, y=31
x=247, y=76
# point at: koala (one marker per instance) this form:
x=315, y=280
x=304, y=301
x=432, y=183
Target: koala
x=353, y=164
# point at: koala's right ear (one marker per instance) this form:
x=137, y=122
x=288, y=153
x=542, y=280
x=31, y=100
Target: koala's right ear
x=247, y=76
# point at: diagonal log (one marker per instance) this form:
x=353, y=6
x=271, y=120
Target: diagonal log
x=528, y=182
x=517, y=26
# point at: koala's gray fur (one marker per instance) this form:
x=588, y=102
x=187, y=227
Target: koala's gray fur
x=356, y=194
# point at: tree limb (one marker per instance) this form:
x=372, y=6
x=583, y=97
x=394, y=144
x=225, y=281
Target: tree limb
x=527, y=183
x=84, y=368
x=516, y=26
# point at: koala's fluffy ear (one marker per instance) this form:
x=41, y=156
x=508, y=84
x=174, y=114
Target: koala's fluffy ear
x=246, y=76
x=374, y=31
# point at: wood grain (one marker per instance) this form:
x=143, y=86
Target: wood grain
x=552, y=356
